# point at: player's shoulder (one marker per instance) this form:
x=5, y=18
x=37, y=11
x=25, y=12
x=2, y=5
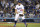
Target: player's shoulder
x=22, y=4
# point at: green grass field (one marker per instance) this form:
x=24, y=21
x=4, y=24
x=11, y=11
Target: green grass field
x=19, y=24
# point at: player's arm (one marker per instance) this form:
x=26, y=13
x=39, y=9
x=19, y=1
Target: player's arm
x=23, y=9
x=16, y=9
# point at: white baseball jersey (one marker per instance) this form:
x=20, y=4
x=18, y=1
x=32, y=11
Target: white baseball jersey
x=19, y=8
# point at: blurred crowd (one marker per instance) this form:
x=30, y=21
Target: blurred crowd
x=32, y=8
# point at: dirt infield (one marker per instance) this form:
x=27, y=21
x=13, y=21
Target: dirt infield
x=17, y=23
x=6, y=26
x=11, y=24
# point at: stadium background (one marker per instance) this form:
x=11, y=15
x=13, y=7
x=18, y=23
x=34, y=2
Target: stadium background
x=32, y=10
x=32, y=13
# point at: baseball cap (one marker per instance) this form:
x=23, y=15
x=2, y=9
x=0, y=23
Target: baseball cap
x=19, y=1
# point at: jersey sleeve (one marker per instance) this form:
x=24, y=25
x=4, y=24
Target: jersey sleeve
x=16, y=7
x=22, y=7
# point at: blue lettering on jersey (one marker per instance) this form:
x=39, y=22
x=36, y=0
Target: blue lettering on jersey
x=19, y=8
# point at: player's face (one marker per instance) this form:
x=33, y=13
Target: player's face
x=19, y=3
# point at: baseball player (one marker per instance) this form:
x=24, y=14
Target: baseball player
x=19, y=10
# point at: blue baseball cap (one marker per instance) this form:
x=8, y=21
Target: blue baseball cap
x=19, y=1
